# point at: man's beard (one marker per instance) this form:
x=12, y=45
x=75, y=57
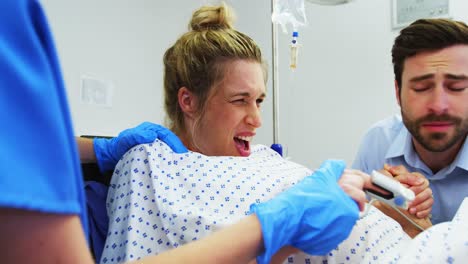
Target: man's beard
x=436, y=141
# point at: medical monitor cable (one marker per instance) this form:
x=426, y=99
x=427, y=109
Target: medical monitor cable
x=366, y=211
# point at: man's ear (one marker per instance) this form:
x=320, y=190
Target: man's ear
x=397, y=93
x=187, y=101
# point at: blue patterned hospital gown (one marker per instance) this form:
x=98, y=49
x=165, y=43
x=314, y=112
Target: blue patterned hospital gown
x=159, y=200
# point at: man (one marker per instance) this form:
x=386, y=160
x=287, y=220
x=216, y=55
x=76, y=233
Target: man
x=430, y=61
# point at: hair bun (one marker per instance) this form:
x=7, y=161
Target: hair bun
x=212, y=17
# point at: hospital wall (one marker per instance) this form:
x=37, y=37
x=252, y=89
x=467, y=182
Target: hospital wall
x=343, y=83
x=122, y=42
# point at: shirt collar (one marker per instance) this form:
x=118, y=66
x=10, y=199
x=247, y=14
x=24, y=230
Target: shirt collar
x=402, y=147
x=461, y=160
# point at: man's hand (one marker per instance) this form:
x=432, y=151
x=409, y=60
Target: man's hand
x=421, y=207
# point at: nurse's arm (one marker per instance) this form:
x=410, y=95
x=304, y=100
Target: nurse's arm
x=86, y=150
x=238, y=243
x=34, y=237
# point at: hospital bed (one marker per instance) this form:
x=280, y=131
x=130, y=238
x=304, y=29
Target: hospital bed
x=91, y=171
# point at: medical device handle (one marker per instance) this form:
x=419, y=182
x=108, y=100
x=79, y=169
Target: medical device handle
x=399, y=195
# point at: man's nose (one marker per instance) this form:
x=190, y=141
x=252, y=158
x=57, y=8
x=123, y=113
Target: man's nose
x=439, y=101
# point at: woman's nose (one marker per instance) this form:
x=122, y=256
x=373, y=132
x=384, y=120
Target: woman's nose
x=254, y=117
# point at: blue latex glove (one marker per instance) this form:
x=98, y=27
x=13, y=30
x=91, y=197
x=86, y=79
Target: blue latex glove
x=314, y=215
x=109, y=151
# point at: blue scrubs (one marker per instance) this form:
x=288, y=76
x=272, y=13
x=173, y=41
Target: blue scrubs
x=39, y=167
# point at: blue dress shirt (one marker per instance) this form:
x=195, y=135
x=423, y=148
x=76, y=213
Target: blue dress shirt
x=388, y=141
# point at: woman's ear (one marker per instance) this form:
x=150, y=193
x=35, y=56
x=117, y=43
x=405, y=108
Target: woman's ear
x=187, y=101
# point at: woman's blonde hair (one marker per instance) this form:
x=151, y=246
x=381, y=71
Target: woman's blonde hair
x=198, y=58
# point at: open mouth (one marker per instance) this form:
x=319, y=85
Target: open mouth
x=243, y=145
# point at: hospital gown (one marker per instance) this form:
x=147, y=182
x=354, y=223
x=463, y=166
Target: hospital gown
x=159, y=200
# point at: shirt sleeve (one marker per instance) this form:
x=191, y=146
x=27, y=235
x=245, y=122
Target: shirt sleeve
x=360, y=159
x=375, y=145
x=38, y=158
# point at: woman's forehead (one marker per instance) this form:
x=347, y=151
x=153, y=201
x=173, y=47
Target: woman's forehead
x=244, y=76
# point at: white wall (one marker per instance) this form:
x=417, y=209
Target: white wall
x=123, y=42
x=343, y=84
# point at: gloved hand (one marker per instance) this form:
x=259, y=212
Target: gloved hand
x=109, y=151
x=314, y=215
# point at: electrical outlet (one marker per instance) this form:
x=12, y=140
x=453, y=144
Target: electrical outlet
x=404, y=12
x=96, y=92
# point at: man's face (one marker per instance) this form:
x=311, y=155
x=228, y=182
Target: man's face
x=232, y=112
x=434, y=97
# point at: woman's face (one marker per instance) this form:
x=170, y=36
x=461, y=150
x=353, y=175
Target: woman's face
x=232, y=112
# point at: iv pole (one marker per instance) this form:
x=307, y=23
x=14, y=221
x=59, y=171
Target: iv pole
x=275, y=74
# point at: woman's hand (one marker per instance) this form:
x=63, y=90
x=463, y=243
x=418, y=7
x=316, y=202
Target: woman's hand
x=353, y=182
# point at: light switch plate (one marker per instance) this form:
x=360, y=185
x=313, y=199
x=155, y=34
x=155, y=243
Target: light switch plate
x=404, y=12
x=96, y=92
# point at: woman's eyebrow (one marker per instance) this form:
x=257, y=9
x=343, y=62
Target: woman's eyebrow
x=247, y=94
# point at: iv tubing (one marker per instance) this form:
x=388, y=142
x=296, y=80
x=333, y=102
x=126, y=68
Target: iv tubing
x=275, y=75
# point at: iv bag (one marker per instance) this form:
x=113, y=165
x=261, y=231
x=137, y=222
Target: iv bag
x=289, y=12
